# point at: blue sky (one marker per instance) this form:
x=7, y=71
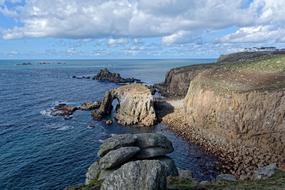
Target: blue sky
x=103, y=29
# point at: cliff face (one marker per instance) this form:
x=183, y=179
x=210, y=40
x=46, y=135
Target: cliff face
x=240, y=109
x=177, y=80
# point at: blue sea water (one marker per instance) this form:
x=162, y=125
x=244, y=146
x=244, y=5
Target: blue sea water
x=38, y=151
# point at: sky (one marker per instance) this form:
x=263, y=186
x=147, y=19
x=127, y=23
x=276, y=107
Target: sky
x=112, y=29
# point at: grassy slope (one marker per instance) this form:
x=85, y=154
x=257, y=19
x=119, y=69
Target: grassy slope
x=276, y=182
x=268, y=74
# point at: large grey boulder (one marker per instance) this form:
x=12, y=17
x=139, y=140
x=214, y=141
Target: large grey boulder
x=117, y=157
x=116, y=142
x=153, y=152
x=137, y=175
x=146, y=140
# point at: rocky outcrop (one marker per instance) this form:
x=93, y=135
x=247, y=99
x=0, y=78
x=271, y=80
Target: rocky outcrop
x=63, y=110
x=123, y=165
x=106, y=75
x=135, y=105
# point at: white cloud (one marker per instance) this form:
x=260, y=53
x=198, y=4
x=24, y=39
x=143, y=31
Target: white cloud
x=175, y=21
x=114, y=42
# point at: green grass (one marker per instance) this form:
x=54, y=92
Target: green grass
x=276, y=182
x=93, y=185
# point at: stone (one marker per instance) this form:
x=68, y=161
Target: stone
x=117, y=157
x=226, y=177
x=89, y=105
x=185, y=174
x=152, y=152
x=137, y=175
x=93, y=172
x=63, y=110
x=169, y=164
x=265, y=172
x=146, y=140
x=116, y=142
x=105, y=107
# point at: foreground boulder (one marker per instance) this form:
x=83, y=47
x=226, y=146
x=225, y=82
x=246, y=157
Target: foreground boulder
x=135, y=105
x=124, y=163
x=139, y=175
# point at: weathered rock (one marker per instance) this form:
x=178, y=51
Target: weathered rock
x=116, y=142
x=169, y=164
x=265, y=172
x=105, y=107
x=147, y=140
x=135, y=105
x=106, y=75
x=90, y=105
x=117, y=157
x=137, y=175
x=93, y=172
x=226, y=177
x=153, y=152
x=63, y=110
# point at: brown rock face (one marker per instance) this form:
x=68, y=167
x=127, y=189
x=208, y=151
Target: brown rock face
x=135, y=107
x=241, y=110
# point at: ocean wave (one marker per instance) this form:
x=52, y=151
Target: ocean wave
x=46, y=113
x=59, y=126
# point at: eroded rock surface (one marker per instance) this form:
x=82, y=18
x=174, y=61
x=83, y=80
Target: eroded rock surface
x=120, y=167
x=106, y=75
x=136, y=105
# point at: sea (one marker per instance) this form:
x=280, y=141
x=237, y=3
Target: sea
x=42, y=152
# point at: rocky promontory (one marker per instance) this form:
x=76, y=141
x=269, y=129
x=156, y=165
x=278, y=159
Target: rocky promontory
x=236, y=110
x=135, y=105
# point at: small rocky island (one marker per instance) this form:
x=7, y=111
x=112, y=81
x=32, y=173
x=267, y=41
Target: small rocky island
x=106, y=75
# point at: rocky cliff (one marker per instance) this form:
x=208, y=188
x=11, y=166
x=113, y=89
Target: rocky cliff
x=239, y=109
x=177, y=80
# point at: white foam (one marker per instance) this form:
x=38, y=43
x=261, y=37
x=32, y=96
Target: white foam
x=46, y=113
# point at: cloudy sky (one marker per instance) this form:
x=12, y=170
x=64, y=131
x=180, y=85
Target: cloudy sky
x=137, y=28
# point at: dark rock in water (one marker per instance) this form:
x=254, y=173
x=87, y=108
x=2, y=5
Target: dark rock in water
x=63, y=110
x=90, y=106
x=25, y=63
x=116, y=142
x=106, y=75
x=139, y=175
x=117, y=157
